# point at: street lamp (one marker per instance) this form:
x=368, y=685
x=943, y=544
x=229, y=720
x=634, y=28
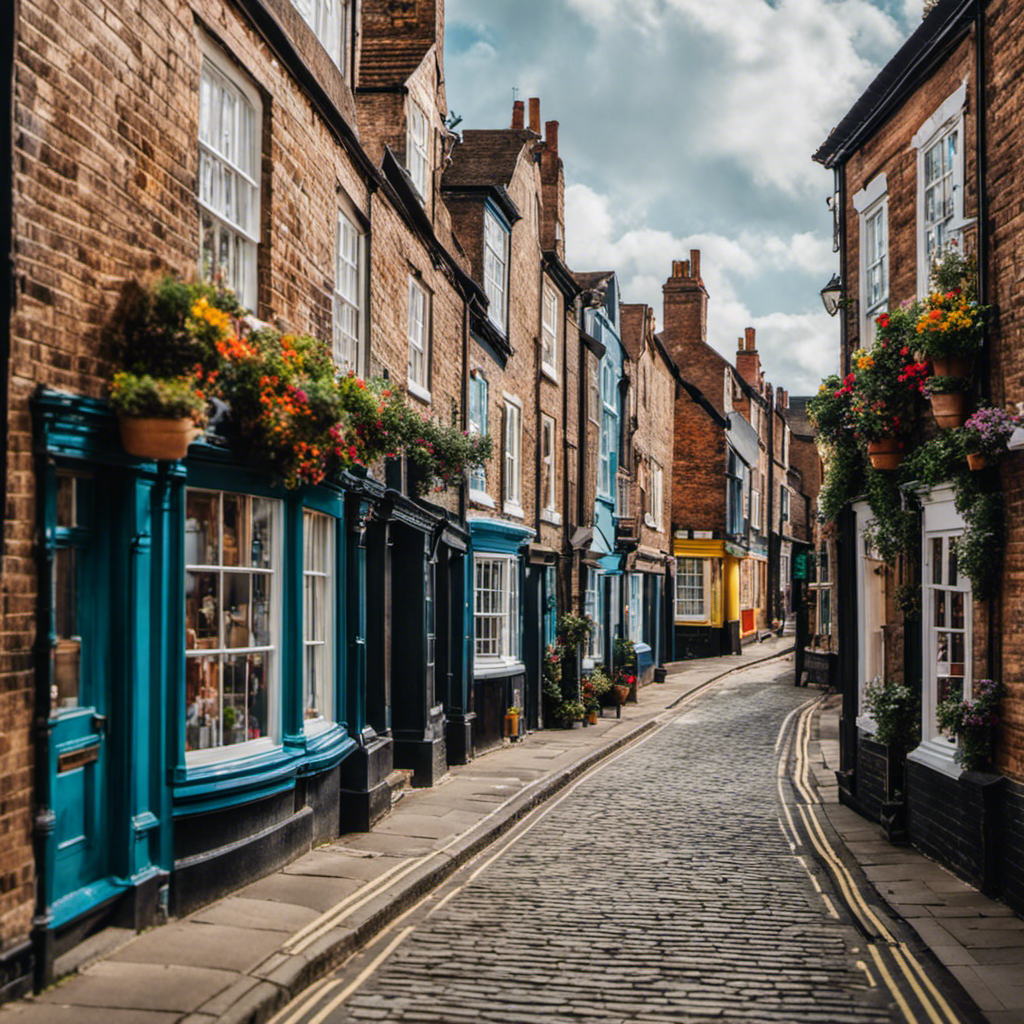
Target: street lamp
x=830, y=295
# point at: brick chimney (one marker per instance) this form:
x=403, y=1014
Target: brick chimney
x=518, y=110
x=748, y=362
x=685, y=313
x=535, y=114
x=552, y=180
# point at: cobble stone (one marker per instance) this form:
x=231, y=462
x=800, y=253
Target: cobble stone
x=662, y=889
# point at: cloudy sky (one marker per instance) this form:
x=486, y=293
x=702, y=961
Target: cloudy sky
x=690, y=124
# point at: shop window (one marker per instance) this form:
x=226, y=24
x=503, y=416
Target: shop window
x=693, y=590
x=318, y=621
x=593, y=608
x=232, y=612
x=636, y=607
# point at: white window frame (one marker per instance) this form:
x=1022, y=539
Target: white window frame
x=636, y=607
x=872, y=206
x=940, y=521
x=496, y=250
x=870, y=611
x=479, y=414
x=656, y=495
x=229, y=176
x=688, y=574
x=349, y=285
x=318, y=586
x=593, y=607
x=549, y=462
x=512, y=457
x=499, y=648
x=270, y=651
x=549, y=333
x=417, y=136
x=623, y=486
x=418, y=331
x=609, y=438
x=944, y=122
x=329, y=20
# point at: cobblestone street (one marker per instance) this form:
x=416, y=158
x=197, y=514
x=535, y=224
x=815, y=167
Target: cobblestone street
x=660, y=889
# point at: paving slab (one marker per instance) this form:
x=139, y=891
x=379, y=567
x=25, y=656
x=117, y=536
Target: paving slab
x=191, y=944
x=263, y=915
x=52, y=1013
x=141, y=987
x=316, y=892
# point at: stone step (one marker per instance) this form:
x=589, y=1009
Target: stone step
x=399, y=780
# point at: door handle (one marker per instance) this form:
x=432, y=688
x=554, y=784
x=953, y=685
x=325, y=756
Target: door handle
x=99, y=724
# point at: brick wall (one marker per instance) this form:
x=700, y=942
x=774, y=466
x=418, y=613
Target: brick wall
x=699, y=463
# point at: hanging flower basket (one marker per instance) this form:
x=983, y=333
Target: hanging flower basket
x=949, y=408
x=149, y=437
x=976, y=461
x=885, y=453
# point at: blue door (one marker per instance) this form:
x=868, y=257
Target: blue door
x=79, y=670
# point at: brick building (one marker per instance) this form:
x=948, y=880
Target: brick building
x=118, y=801
x=726, y=501
x=925, y=158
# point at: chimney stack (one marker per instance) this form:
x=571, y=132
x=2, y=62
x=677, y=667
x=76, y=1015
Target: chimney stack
x=518, y=110
x=748, y=362
x=535, y=114
x=551, y=136
x=685, y=315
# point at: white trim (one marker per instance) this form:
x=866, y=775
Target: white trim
x=548, y=516
x=417, y=392
x=232, y=752
x=511, y=508
x=951, y=107
x=487, y=668
x=938, y=755
x=481, y=498
x=870, y=193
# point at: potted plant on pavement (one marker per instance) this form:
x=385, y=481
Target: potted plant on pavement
x=512, y=717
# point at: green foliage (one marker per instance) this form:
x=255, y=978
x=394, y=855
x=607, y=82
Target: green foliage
x=971, y=722
x=829, y=410
x=896, y=709
x=893, y=529
x=907, y=598
x=145, y=396
x=574, y=630
x=570, y=711
x=845, y=465
x=951, y=323
x=939, y=385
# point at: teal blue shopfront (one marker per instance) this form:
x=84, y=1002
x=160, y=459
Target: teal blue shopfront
x=202, y=674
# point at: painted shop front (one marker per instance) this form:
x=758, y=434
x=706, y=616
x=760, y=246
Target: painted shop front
x=214, y=656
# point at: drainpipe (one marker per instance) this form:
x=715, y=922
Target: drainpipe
x=981, y=172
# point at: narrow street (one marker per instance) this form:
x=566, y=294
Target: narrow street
x=661, y=887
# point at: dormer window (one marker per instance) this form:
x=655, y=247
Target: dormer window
x=496, y=270
x=417, y=155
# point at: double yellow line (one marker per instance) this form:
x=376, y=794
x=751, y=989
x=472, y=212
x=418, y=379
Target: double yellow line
x=933, y=1003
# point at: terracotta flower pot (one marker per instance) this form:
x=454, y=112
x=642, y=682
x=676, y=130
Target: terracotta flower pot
x=885, y=454
x=153, y=438
x=976, y=461
x=951, y=366
x=512, y=726
x=620, y=693
x=592, y=717
x=950, y=410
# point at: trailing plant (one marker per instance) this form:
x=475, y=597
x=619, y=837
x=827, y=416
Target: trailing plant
x=145, y=396
x=978, y=547
x=896, y=710
x=971, y=721
x=893, y=526
x=845, y=465
x=623, y=653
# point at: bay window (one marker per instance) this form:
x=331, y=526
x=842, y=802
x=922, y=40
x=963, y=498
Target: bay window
x=232, y=612
x=496, y=270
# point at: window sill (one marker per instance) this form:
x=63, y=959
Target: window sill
x=197, y=760
x=548, y=516
x=481, y=498
x=489, y=668
x=937, y=754
x=417, y=391
x=512, y=509
x=550, y=372
x=650, y=522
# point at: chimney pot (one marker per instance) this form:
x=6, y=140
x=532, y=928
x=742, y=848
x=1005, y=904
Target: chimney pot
x=695, y=262
x=535, y=114
x=551, y=136
x=751, y=343
x=518, y=112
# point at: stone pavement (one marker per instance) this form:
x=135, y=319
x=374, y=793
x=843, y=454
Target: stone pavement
x=980, y=941
x=240, y=959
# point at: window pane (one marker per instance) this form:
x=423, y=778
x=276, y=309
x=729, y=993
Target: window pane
x=202, y=604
